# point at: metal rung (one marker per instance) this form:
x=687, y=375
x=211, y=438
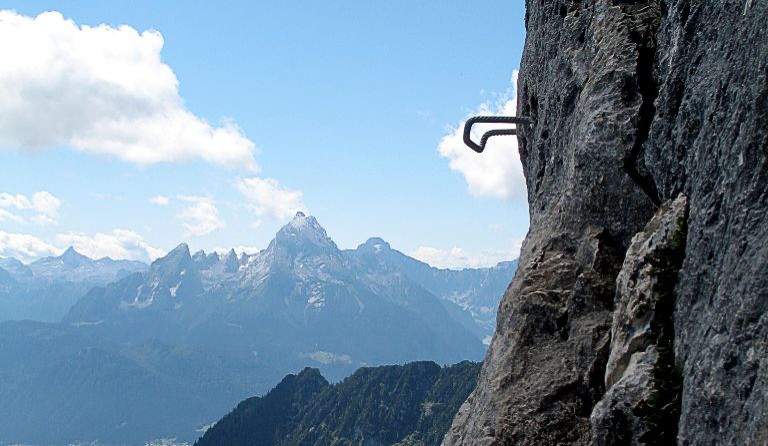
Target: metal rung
x=518, y=120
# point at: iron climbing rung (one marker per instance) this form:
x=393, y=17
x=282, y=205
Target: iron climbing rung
x=518, y=120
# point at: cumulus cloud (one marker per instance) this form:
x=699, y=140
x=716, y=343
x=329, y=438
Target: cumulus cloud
x=201, y=217
x=117, y=244
x=459, y=258
x=497, y=172
x=266, y=198
x=102, y=90
x=159, y=200
x=43, y=205
x=25, y=247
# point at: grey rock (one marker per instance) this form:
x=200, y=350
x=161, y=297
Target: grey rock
x=633, y=103
x=636, y=288
x=709, y=140
x=629, y=372
x=544, y=369
x=613, y=419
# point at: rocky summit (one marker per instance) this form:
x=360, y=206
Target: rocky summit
x=638, y=312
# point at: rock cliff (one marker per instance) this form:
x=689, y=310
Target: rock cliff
x=638, y=312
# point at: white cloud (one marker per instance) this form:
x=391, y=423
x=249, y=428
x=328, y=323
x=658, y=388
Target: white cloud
x=266, y=198
x=159, y=200
x=42, y=203
x=25, y=247
x=202, y=217
x=458, y=258
x=10, y=216
x=117, y=244
x=43, y=219
x=497, y=172
x=102, y=90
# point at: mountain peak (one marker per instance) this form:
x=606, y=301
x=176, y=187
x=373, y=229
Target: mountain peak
x=183, y=249
x=374, y=246
x=305, y=226
x=301, y=236
x=378, y=244
x=302, y=220
x=70, y=256
x=231, y=262
x=177, y=255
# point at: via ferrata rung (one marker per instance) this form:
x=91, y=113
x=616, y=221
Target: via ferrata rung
x=518, y=120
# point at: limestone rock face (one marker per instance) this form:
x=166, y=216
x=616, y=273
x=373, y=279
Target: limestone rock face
x=709, y=140
x=544, y=370
x=642, y=327
x=637, y=287
x=633, y=103
x=613, y=418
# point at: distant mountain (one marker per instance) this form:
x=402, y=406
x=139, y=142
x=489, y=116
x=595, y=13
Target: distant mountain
x=45, y=289
x=301, y=301
x=198, y=333
x=412, y=404
x=71, y=266
x=474, y=292
x=6, y=280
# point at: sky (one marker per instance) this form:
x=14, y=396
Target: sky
x=127, y=128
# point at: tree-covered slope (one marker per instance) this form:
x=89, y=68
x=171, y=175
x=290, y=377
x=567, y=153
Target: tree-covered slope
x=412, y=404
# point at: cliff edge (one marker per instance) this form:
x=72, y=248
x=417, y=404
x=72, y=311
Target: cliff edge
x=638, y=312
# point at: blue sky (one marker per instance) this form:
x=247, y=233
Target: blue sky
x=347, y=110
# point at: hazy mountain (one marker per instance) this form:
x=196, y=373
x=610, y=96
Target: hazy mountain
x=45, y=289
x=6, y=280
x=301, y=301
x=412, y=404
x=474, y=292
x=169, y=348
x=71, y=266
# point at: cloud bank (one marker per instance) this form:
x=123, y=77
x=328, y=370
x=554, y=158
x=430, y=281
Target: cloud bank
x=102, y=90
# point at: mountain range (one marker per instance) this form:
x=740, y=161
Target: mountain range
x=44, y=290
x=405, y=405
x=166, y=349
